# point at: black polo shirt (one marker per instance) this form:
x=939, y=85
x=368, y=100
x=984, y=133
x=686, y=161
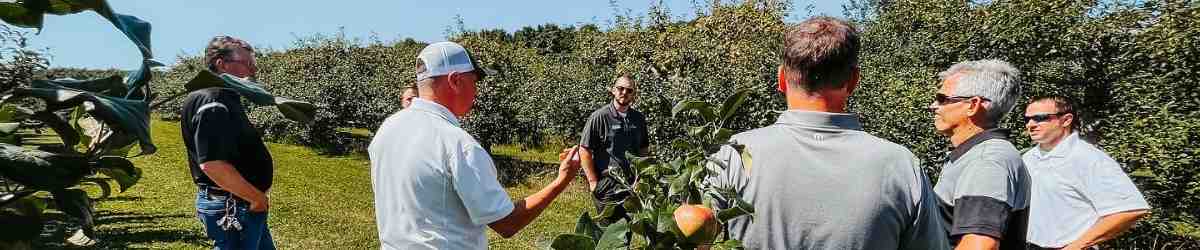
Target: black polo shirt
x=215, y=127
x=609, y=135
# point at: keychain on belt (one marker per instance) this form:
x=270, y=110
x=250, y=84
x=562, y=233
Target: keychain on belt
x=230, y=222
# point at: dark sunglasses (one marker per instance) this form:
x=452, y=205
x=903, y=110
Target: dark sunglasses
x=1040, y=118
x=625, y=89
x=942, y=99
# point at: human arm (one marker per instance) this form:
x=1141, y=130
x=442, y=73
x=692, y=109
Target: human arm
x=526, y=210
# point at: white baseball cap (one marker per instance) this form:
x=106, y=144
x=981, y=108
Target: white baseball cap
x=441, y=58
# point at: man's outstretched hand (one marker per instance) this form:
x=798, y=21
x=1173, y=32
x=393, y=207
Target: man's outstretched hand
x=568, y=165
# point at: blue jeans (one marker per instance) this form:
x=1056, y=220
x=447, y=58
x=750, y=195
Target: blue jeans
x=254, y=233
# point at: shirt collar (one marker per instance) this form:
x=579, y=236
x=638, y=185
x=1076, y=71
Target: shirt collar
x=1063, y=148
x=993, y=133
x=419, y=104
x=847, y=121
x=613, y=112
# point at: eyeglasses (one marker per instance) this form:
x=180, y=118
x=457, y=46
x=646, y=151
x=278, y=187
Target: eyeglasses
x=625, y=89
x=1040, y=118
x=942, y=99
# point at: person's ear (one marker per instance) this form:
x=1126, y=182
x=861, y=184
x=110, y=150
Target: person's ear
x=219, y=64
x=782, y=87
x=1068, y=120
x=453, y=81
x=974, y=105
x=853, y=83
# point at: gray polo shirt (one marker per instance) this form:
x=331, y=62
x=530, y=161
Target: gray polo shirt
x=609, y=135
x=1074, y=185
x=817, y=181
x=984, y=189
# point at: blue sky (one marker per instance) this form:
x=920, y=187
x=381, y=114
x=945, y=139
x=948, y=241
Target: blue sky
x=181, y=27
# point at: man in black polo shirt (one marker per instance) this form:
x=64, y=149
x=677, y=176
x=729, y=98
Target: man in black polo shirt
x=610, y=133
x=228, y=160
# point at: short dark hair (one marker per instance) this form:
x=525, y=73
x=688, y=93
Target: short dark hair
x=823, y=51
x=1062, y=105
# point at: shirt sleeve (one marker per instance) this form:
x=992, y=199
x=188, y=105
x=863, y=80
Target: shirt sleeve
x=215, y=135
x=984, y=200
x=1111, y=191
x=926, y=231
x=732, y=176
x=593, y=134
x=474, y=178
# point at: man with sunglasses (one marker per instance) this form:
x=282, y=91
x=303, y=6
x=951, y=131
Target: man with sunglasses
x=1081, y=196
x=984, y=186
x=435, y=186
x=609, y=133
x=228, y=161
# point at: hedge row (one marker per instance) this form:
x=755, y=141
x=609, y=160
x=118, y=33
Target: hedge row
x=1133, y=65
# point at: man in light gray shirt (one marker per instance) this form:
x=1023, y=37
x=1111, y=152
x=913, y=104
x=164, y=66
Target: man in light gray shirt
x=815, y=179
x=1081, y=197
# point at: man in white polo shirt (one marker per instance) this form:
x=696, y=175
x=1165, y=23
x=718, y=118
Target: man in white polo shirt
x=1080, y=196
x=435, y=186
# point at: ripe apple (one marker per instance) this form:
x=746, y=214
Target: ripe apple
x=697, y=223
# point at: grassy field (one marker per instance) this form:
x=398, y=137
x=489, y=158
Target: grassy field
x=317, y=202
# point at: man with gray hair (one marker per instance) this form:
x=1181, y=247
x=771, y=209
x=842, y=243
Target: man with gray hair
x=984, y=187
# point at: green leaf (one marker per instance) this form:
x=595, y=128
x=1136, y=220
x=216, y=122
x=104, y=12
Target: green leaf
x=586, y=226
x=27, y=14
x=102, y=183
x=739, y=208
x=573, y=242
x=705, y=109
x=292, y=109
x=111, y=86
x=247, y=89
x=681, y=144
x=121, y=170
x=40, y=169
x=732, y=103
x=299, y=111
x=643, y=222
x=8, y=128
x=679, y=183
x=698, y=131
x=666, y=218
x=721, y=135
x=614, y=236
x=123, y=115
x=69, y=136
x=75, y=202
x=137, y=84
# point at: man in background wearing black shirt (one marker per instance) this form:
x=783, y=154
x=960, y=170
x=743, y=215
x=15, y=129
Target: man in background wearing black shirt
x=229, y=162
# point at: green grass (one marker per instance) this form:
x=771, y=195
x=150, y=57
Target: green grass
x=317, y=202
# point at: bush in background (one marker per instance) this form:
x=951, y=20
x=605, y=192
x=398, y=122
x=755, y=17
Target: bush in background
x=1133, y=66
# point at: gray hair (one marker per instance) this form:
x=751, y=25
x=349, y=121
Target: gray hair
x=997, y=81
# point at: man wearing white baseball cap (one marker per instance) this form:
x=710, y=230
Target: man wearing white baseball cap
x=435, y=186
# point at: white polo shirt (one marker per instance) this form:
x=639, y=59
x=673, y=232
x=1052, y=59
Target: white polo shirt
x=1073, y=186
x=435, y=186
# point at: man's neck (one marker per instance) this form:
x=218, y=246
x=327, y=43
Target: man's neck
x=815, y=102
x=1048, y=146
x=964, y=132
x=620, y=108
